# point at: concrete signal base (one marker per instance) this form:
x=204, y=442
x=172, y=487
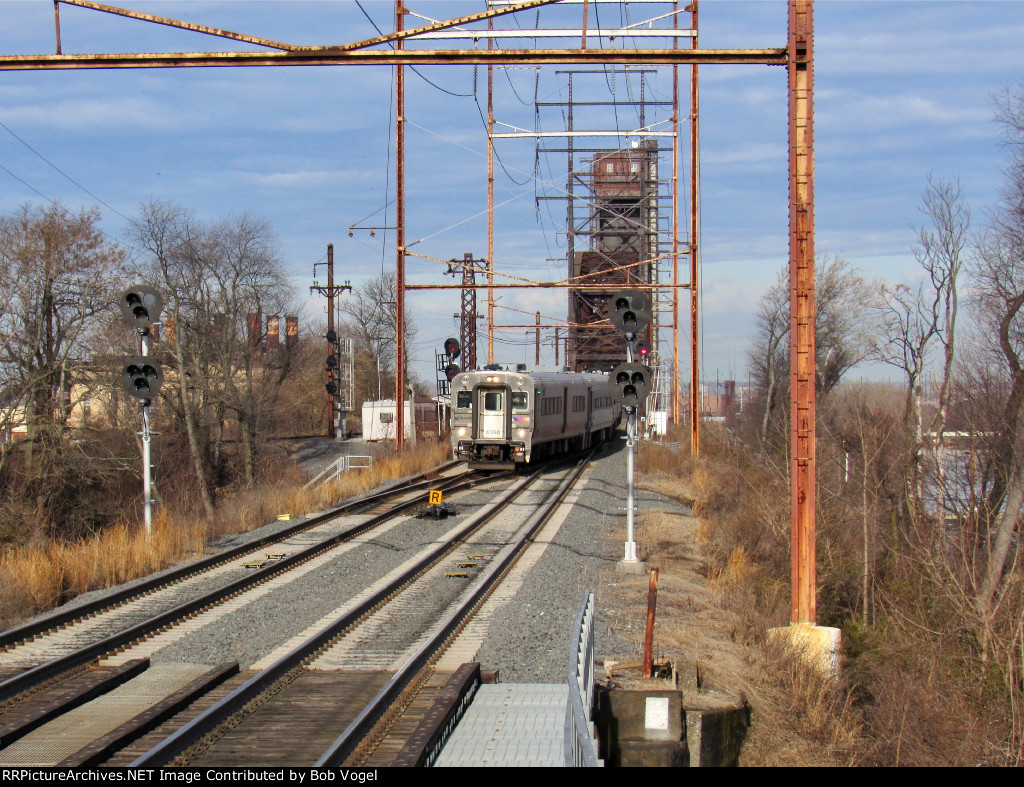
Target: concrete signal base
x=819, y=645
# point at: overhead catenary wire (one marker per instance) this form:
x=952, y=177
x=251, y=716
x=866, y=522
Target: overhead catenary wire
x=59, y=170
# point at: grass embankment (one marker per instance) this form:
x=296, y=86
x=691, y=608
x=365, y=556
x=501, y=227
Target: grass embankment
x=724, y=581
x=38, y=578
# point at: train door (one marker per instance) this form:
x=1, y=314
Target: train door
x=492, y=418
x=588, y=430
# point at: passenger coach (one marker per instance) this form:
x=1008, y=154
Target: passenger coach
x=501, y=419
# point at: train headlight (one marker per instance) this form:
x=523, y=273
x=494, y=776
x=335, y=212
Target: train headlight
x=462, y=431
x=521, y=433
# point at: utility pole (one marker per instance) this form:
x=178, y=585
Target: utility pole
x=334, y=427
x=400, y=12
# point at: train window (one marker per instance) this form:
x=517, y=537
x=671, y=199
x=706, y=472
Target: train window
x=492, y=401
x=464, y=400
x=520, y=401
x=579, y=404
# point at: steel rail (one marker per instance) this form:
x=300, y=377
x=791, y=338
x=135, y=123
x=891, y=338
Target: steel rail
x=360, y=727
x=58, y=619
x=209, y=720
x=36, y=675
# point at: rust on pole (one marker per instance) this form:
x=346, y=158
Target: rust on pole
x=490, y=205
x=400, y=34
x=675, y=243
x=652, y=602
x=162, y=20
x=399, y=238
x=417, y=57
x=694, y=250
x=801, y=320
x=56, y=22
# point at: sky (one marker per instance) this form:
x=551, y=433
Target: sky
x=903, y=90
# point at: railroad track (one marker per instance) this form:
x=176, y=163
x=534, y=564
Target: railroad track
x=40, y=652
x=363, y=667
x=371, y=650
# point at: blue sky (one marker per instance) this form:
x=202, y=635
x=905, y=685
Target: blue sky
x=903, y=89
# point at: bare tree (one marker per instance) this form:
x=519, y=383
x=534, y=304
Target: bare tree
x=370, y=319
x=998, y=274
x=58, y=273
x=842, y=298
x=917, y=319
x=216, y=275
x=767, y=352
x=842, y=302
x=160, y=233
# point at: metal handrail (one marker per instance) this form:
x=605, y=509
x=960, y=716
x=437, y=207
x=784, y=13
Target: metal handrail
x=580, y=739
x=340, y=465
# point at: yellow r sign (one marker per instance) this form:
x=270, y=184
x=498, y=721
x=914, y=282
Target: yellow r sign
x=435, y=497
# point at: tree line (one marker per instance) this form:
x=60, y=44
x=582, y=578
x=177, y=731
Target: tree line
x=921, y=486
x=69, y=461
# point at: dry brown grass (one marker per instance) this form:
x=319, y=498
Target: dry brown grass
x=718, y=595
x=38, y=578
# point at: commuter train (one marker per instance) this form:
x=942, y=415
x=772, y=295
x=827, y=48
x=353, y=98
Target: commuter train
x=504, y=419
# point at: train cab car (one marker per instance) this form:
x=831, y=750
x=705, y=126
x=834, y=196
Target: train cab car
x=502, y=419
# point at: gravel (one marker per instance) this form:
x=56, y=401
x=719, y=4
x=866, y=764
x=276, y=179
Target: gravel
x=530, y=637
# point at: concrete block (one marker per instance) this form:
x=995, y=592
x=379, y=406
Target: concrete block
x=820, y=646
x=641, y=727
x=715, y=736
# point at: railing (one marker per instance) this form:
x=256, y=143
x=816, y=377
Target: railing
x=341, y=465
x=580, y=737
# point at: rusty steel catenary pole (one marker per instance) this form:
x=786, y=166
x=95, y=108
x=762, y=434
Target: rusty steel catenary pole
x=694, y=229
x=399, y=238
x=490, y=202
x=801, y=320
x=675, y=240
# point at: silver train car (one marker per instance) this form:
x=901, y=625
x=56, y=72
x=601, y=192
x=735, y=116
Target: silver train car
x=503, y=419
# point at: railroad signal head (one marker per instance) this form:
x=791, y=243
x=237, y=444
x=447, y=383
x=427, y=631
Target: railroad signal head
x=331, y=336
x=452, y=348
x=629, y=311
x=332, y=361
x=451, y=370
x=141, y=377
x=141, y=306
x=332, y=388
x=643, y=352
x=630, y=383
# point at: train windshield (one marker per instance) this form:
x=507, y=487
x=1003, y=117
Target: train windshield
x=464, y=400
x=493, y=401
x=520, y=400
